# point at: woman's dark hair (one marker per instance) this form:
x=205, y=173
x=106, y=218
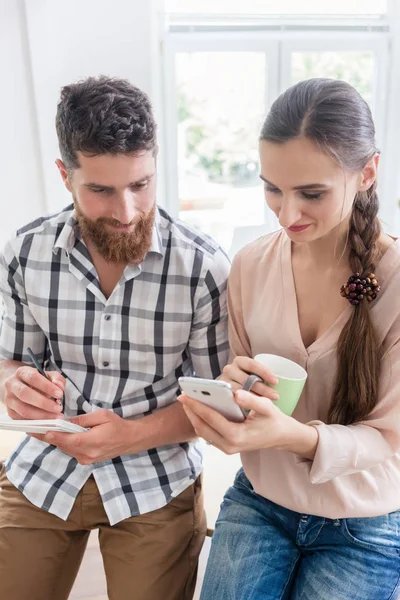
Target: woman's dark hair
x=333, y=115
x=103, y=115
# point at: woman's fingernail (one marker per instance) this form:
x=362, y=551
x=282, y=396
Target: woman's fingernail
x=274, y=396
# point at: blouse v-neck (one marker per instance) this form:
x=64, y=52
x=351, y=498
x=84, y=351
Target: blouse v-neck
x=330, y=335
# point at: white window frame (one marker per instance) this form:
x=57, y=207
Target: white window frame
x=278, y=45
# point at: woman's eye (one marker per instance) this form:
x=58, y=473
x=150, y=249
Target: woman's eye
x=272, y=190
x=313, y=196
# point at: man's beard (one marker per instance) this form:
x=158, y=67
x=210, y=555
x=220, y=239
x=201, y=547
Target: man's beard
x=119, y=247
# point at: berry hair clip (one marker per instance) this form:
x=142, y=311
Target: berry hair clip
x=357, y=288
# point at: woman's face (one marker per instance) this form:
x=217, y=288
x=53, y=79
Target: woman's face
x=307, y=190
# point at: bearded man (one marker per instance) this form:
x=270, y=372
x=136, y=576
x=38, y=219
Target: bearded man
x=117, y=300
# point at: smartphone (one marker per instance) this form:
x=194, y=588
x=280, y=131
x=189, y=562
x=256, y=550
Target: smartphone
x=215, y=394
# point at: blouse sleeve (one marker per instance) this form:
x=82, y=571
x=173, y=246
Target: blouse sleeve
x=348, y=449
x=238, y=341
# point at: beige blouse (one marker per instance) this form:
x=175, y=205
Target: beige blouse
x=356, y=469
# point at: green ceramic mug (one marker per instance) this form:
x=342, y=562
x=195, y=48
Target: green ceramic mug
x=292, y=378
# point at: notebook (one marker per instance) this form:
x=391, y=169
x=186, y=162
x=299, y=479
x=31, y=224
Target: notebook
x=39, y=426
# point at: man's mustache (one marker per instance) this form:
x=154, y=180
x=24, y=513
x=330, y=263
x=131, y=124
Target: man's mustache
x=115, y=223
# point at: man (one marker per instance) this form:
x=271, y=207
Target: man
x=117, y=300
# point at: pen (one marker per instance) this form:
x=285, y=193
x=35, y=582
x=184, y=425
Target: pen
x=40, y=370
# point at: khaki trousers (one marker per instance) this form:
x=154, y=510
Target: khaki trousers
x=148, y=557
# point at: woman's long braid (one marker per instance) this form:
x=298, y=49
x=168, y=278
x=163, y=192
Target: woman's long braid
x=358, y=349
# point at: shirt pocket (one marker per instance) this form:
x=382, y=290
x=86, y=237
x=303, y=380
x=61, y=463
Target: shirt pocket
x=379, y=534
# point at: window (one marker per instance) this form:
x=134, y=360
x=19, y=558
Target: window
x=357, y=68
x=223, y=76
x=221, y=106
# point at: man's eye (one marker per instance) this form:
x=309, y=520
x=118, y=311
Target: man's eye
x=140, y=186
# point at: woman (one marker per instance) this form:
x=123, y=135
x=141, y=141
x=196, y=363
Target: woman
x=313, y=514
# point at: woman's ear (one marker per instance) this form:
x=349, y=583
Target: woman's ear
x=369, y=173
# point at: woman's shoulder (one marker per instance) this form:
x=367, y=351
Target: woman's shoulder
x=386, y=310
x=260, y=248
x=388, y=268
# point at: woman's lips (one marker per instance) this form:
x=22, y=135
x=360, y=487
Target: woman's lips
x=297, y=228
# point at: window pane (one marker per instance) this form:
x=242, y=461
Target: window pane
x=284, y=7
x=221, y=107
x=357, y=68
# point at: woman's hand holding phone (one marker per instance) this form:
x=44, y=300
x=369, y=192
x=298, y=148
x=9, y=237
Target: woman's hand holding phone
x=265, y=427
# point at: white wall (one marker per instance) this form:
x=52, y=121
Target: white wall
x=44, y=45
x=22, y=186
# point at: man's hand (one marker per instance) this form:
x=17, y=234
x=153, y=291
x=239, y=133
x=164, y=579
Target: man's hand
x=29, y=395
x=109, y=436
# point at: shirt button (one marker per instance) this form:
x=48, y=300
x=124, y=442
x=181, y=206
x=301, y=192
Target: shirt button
x=107, y=317
x=106, y=363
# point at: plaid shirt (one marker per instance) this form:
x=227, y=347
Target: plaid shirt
x=166, y=318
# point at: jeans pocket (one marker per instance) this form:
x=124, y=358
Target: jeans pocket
x=381, y=534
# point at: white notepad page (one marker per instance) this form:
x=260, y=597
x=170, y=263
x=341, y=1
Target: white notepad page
x=39, y=426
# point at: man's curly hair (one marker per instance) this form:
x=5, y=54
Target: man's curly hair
x=103, y=115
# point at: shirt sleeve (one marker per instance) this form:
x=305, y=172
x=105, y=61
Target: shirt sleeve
x=348, y=449
x=238, y=340
x=208, y=343
x=18, y=328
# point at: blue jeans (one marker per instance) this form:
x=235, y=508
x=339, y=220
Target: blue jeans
x=261, y=550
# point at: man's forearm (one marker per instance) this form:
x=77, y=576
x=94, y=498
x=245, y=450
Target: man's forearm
x=166, y=426
x=7, y=368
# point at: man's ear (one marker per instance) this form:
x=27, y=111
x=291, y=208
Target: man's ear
x=64, y=174
x=155, y=152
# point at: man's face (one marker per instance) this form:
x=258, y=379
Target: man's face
x=114, y=197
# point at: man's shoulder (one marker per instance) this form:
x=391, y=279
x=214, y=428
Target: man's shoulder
x=45, y=224
x=185, y=236
x=40, y=233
